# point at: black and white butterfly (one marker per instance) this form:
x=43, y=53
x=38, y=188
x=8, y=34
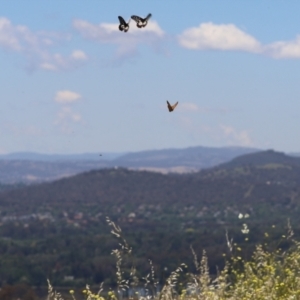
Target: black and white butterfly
x=123, y=25
x=141, y=22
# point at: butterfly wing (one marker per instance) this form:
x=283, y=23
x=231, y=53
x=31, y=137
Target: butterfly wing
x=148, y=17
x=173, y=107
x=136, y=18
x=122, y=21
x=169, y=106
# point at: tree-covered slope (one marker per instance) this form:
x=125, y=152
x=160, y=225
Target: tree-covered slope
x=61, y=225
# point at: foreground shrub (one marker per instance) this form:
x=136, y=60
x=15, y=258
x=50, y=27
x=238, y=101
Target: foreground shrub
x=269, y=274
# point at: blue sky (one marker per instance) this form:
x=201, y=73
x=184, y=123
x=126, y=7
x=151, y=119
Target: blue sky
x=73, y=83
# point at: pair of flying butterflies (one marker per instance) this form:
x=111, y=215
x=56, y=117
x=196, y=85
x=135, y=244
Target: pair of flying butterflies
x=140, y=22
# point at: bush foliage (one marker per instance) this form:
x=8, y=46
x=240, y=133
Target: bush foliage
x=271, y=273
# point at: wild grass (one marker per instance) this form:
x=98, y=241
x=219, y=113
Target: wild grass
x=269, y=274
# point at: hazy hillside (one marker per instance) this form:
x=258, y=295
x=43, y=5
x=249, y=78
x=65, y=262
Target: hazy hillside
x=121, y=189
x=294, y=154
x=193, y=158
x=27, y=171
x=33, y=167
x=270, y=158
x=32, y=156
x=259, y=170
x=60, y=228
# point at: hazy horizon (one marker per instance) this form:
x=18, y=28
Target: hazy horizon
x=117, y=154
x=125, y=152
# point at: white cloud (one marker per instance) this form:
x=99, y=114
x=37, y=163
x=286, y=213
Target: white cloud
x=284, y=49
x=230, y=37
x=36, y=46
x=66, y=97
x=79, y=55
x=219, y=37
x=127, y=43
x=235, y=137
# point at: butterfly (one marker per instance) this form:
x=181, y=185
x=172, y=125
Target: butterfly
x=141, y=22
x=171, y=107
x=123, y=25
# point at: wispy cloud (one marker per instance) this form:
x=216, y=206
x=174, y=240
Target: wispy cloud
x=9, y=35
x=223, y=134
x=36, y=47
x=66, y=116
x=236, y=137
x=126, y=43
x=57, y=62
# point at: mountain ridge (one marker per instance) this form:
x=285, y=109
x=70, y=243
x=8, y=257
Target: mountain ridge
x=32, y=168
x=114, y=182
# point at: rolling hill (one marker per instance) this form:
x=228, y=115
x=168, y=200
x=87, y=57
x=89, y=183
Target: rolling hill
x=264, y=159
x=55, y=229
x=118, y=189
x=191, y=159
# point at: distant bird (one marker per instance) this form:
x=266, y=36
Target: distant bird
x=100, y=154
x=123, y=25
x=141, y=22
x=171, y=107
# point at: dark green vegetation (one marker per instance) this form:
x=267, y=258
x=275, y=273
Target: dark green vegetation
x=58, y=229
x=7, y=187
